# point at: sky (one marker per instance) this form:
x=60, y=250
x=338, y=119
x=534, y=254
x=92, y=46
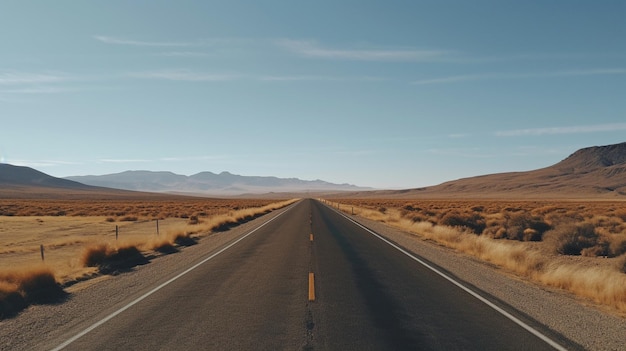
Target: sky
x=385, y=94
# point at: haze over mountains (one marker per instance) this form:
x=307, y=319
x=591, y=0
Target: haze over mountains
x=224, y=183
x=593, y=172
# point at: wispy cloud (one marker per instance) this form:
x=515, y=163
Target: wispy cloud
x=191, y=54
x=122, y=160
x=192, y=76
x=20, y=78
x=194, y=158
x=185, y=75
x=507, y=76
x=458, y=135
x=40, y=163
x=305, y=78
x=15, y=82
x=123, y=41
x=609, y=127
x=312, y=49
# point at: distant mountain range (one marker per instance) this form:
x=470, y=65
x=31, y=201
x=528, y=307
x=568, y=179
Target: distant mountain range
x=224, y=183
x=593, y=172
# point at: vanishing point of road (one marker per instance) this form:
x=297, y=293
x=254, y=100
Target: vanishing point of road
x=311, y=279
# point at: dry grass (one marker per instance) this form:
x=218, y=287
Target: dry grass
x=65, y=238
x=128, y=209
x=82, y=241
x=21, y=287
x=542, y=237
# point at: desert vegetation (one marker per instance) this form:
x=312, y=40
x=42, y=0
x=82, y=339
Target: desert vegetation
x=571, y=245
x=127, y=209
x=48, y=245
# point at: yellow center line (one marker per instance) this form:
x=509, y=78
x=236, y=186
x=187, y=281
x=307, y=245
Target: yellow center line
x=311, y=287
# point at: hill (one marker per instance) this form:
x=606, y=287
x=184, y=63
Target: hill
x=17, y=182
x=224, y=183
x=595, y=172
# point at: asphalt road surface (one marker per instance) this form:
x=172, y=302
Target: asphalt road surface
x=310, y=279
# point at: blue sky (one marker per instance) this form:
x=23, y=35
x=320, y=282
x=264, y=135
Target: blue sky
x=390, y=94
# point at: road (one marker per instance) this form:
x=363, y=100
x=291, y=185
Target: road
x=257, y=294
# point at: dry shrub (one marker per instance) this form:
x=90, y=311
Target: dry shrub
x=571, y=238
x=622, y=264
x=110, y=260
x=193, y=220
x=165, y=247
x=604, y=286
x=184, y=240
x=22, y=287
x=617, y=246
x=601, y=284
x=473, y=221
x=94, y=255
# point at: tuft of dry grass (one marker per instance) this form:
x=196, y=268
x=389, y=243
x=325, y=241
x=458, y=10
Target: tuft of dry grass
x=22, y=287
x=111, y=260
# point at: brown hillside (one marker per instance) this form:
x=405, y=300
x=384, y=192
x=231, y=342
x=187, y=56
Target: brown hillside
x=594, y=172
x=18, y=182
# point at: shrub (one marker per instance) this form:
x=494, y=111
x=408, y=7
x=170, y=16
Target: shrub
x=19, y=288
x=571, y=239
x=524, y=227
x=617, y=247
x=474, y=221
x=111, y=260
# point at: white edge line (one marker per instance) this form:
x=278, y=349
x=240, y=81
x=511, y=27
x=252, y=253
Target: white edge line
x=142, y=297
x=466, y=289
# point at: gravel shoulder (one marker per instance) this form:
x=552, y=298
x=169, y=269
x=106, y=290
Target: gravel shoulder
x=565, y=314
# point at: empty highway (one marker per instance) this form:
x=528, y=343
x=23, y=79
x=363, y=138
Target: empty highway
x=308, y=279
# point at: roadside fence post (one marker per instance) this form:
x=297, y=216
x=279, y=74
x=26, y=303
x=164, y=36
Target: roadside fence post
x=41, y=248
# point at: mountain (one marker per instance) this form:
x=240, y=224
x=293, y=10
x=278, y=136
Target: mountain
x=593, y=172
x=17, y=176
x=224, y=183
x=17, y=182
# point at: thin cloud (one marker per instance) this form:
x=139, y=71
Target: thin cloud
x=458, y=135
x=115, y=160
x=194, y=158
x=40, y=163
x=609, y=127
x=121, y=41
x=16, y=83
x=507, y=76
x=313, y=50
x=190, y=54
x=37, y=90
x=185, y=75
x=21, y=78
x=191, y=76
x=305, y=78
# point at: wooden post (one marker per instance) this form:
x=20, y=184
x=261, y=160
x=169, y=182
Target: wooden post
x=41, y=248
x=157, y=226
x=117, y=231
